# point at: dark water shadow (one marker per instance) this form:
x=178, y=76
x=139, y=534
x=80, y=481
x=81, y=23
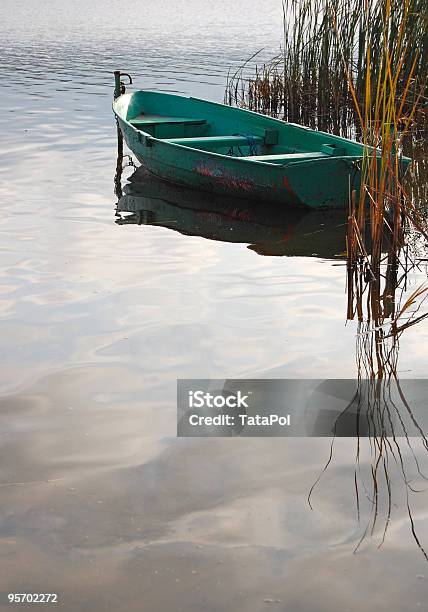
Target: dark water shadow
x=267, y=229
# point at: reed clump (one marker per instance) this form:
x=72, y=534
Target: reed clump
x=325, y=44
x=379, y=268
x=385, y=116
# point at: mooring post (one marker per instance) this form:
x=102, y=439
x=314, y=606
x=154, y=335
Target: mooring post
x=119, y=162
x=117, y=86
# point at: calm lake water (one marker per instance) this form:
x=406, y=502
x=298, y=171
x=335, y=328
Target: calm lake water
x=99, y=500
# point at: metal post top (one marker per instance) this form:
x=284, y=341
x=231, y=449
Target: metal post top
x=119, y=86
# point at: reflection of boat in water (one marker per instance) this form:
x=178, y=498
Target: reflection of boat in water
x=267, y=228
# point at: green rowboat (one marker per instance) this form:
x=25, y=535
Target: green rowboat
x=226, y=150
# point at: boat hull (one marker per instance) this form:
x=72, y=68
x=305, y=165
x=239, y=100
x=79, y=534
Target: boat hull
x=322, y=183
x=313, y=181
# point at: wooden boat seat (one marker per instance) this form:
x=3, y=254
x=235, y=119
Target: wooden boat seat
x=286, y=157
x=213, y=142
x=144, y=120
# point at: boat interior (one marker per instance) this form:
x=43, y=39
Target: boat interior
x=229, y=131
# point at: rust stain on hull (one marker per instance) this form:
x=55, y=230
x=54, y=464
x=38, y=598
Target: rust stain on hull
x=286, y=184
x=231, y=182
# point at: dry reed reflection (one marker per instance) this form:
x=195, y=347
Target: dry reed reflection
x=383, y=412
